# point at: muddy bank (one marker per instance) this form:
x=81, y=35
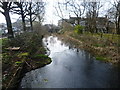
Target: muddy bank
x=101, y=50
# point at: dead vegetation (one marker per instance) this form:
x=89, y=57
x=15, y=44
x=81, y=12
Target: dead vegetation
x=105, y=48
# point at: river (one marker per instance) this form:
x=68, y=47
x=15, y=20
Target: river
x=71, y=68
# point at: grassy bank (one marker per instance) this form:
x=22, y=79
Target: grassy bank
x=104, y=47
x=20, y=55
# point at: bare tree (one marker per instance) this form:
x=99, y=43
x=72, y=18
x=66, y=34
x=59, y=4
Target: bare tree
x=40, y=11
x=59, y=10
x=6, y=6
x=113, y=14
x=30, y=13
x=35, y=10
x=92, y=11
x=20, y=9
x=75, y=7
x=117, y=15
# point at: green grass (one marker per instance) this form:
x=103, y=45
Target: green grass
x=101, y=58
x=23, y=54
x=98, y=45
x=18, y=62
x=39, y=56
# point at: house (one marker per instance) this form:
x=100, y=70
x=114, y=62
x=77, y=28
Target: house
x=102, y=23
x=72, y=20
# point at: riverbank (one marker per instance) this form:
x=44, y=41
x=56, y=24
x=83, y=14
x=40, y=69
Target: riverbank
x=71, y=68
x=20, y=55
x=105, y=48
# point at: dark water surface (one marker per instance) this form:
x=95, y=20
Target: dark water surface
x=71, y=68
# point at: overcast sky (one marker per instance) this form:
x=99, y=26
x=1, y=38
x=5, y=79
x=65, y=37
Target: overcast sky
x=50, y=16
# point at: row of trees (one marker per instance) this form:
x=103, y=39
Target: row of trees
x=89, y=10
x=27, y=10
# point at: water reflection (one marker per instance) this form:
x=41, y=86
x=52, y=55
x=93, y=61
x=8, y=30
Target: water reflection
x=71, y=68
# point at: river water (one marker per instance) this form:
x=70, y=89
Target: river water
x=71, y=68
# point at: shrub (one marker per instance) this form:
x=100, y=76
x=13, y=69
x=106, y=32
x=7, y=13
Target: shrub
x=28, y=42
x=78, y=29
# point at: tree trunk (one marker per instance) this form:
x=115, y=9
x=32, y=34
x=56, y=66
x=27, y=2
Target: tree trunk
x=23, y=20
x=31, y=17
x=9, y=25
x=23, y=23
x=118, y=26
x=31, y=22
x=78, y=21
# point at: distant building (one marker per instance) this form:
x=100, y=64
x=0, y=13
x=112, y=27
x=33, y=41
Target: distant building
x=102, y=23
